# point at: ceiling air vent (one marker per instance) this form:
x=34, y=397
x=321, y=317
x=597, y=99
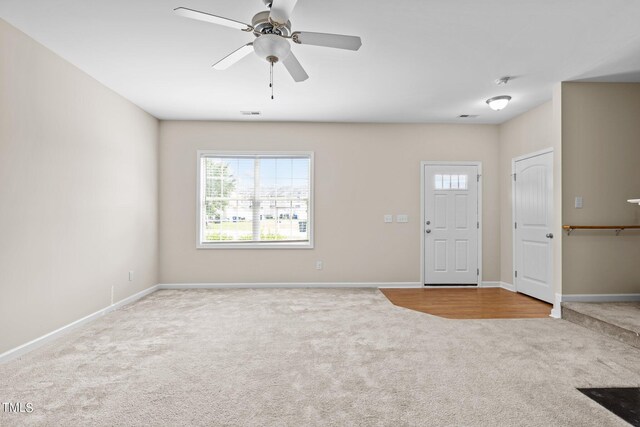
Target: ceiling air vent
x=467, y=116
x=250, y=113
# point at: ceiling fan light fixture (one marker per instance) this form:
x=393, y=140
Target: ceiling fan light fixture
x=271, y=47
x=272, y=29
x=497, y=103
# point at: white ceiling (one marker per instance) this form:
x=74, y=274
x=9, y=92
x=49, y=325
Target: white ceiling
x=421, y=60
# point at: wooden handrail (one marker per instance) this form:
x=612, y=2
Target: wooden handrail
x=617, y=228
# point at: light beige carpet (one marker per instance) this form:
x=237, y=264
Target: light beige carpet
x=625, y=315
x=307, y=357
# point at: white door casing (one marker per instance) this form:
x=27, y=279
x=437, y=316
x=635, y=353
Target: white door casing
x=533, y=225
x=451, y=224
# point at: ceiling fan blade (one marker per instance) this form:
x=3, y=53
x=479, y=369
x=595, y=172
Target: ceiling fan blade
x=328, y=40
x=207, y=17
x=233, y=57
x=294, y=68
x=281, y=10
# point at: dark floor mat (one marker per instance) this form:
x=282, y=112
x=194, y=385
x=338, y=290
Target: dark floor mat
x=624, y=402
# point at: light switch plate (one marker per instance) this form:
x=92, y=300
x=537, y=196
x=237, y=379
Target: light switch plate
x=402, y=218
x=388, y=218
x=579, y=202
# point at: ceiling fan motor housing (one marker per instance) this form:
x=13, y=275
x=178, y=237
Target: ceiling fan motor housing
x=271, y=47
x=262, y=25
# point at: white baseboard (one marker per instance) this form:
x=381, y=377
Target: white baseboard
x=503, y=285
x=556, y=311
x=375, y=285
x=601, y=298
x=273, y=285
x=508, y=286
x=40, y=341
x=490, y=285
x=399, y=285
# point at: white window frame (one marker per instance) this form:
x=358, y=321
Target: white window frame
x=253, y=244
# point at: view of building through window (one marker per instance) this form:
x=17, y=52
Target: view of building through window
x=254, y=199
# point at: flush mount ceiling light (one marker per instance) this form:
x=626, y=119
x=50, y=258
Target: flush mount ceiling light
x=497, y=103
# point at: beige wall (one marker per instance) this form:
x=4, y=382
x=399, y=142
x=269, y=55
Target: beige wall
x=362, y=171
x=601, y=155
x=78, y=192
x=527, y=133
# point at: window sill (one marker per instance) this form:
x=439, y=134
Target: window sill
x=266, y=245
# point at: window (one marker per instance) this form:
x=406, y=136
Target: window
x=450, y=182
x=255, y=200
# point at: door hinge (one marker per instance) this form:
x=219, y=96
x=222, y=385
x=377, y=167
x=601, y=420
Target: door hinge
x=478, y=178
x=515, y=225
x=477, y=271
x=516, y=273
x=514, y=176
x=478, y=225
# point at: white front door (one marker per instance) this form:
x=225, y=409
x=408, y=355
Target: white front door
x=533, y=226
x=451, y=225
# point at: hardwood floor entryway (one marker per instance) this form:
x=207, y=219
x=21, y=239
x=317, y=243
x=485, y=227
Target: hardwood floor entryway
x=454, y=303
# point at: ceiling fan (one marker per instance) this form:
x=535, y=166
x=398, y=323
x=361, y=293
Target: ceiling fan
x=272, y=30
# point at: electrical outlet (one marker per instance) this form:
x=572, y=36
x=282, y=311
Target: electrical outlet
x=402, y=218
x=131, y=276
x=578, y=202
x=388, y=218
x=319, y=265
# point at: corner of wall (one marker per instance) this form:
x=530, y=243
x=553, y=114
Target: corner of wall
x=557, y=192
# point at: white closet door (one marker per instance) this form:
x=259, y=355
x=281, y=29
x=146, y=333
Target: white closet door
x=533, y=198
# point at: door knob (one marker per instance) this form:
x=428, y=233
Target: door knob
x=428, y=222
x=549, y=235
x=427, y=231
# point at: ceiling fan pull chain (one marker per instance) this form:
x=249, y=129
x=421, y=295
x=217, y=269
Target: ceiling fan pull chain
x=271, y=80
